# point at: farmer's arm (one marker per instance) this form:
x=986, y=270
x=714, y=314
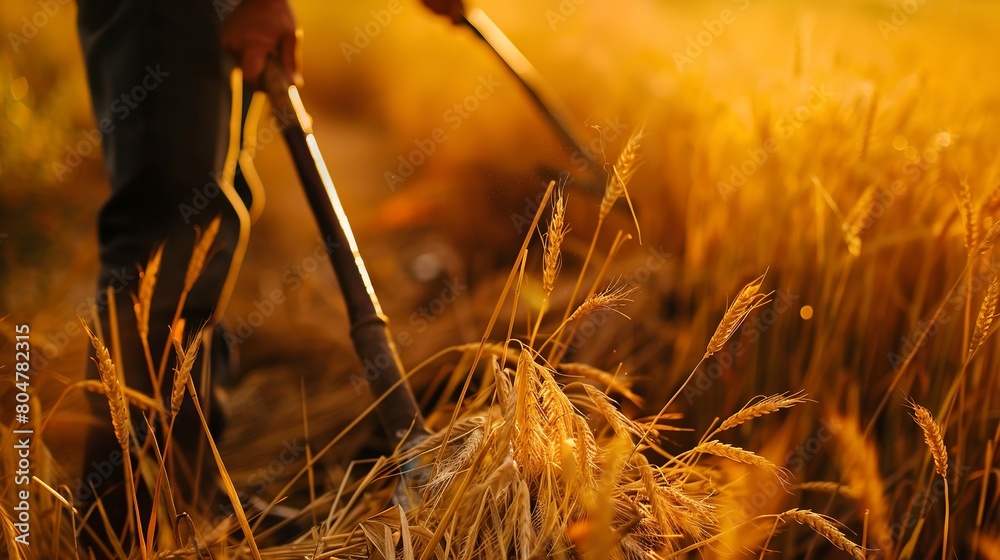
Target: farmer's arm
x=257, y=29
x=452, y=9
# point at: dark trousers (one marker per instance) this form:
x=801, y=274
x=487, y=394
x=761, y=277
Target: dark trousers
x=160, y=90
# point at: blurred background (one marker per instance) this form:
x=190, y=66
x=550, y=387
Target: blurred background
x=824, y=143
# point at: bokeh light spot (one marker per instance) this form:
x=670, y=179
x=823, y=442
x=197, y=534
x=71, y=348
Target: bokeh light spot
x=19, y=88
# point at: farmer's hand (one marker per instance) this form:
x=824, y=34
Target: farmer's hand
x=453, y=9
x=260, y=28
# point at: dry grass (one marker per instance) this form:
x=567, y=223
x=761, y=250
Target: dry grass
x=537, y=460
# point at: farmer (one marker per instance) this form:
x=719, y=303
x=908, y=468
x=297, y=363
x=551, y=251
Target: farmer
x=159, y=83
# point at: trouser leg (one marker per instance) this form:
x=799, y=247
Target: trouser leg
x=160, y=92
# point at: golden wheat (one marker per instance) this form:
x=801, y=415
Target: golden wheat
x=112, y=388
x=859, y=219
x=613, y=297
x=987, y=313
x=552, y=259
x=969, y=218
x=859, y=465
x=747, y=300
x=621, y=173
x=828, y=487
x=182, y=373
x=613, y=383
x=764, y=406
x=933, y=437
x=739, y=455
x=823, y=527
x=199, y=256
x=147, y=286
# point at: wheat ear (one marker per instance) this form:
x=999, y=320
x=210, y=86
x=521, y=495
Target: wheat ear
x=183, y=373
x=739, y=455
x=748, y=299
x=112, y=389
x=935, y=441
x=613, y=297
x=969, y=218
x=987, y=312
x=147, y=286
x=760, y=408
x=552, y=258
x=933, y=437
x=827, y=530
x=120, y=424
x=199, y=256
x=621, y=173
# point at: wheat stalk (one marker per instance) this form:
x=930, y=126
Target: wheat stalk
x=935, y=441
x=613, y=383
x=120, y=424
x=200, y=253
x=760, y=408
x=112, y=389
x=987, y=312
x=859, y=464
x=823, y=527
x=611, y=298
x=933, y=437
x=859, y=220
x=183, y=373
x=621, y=173
x=147, y=286
x=969, y=218
x=828, y=487
x=869, y=121
x=737, y=454
x=552, y=258
x=622, y=425
x=990, y=237
x=747, y=300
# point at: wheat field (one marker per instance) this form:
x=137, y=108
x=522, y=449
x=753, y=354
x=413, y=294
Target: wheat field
x=764, y=328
